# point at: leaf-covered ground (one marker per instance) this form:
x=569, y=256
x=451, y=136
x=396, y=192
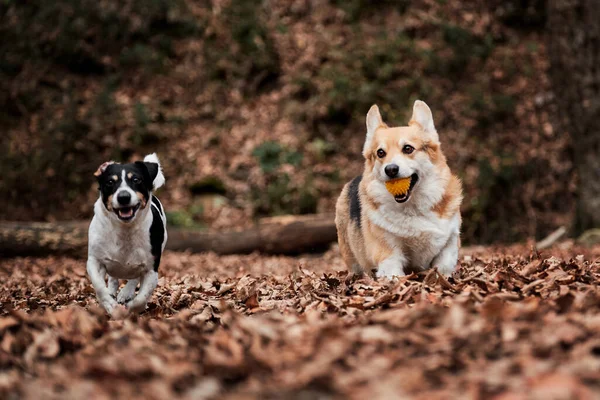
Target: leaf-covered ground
x=510, y=324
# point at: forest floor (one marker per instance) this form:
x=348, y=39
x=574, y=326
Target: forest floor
x=510, y=324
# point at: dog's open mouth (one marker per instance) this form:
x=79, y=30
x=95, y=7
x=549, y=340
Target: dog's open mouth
x=403, y=197
x=127, y=213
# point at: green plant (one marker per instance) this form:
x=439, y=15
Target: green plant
x=270, y=155
x=80, y=34
x=349, y=82
x=180, y=218
x=241, y=52
x=464, y=46
x=283, y=196
x=322, y=148
x=142, y=119
x=488, y=107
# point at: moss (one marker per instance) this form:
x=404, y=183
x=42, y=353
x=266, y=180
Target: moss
x=181, y=219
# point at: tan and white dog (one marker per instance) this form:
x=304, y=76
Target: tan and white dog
x=402, y=232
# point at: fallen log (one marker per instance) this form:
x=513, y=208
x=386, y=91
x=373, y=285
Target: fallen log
x=277, y=235
x=552, y=238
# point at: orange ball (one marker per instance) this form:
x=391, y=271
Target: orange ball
x=398, y=186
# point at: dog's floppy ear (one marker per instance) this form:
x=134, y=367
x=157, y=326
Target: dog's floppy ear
x=422, y=116
x=155, y=170
x=374, y=121
x=146, y=174
x=102, y=168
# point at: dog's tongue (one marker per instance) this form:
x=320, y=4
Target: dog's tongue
x=126, y=212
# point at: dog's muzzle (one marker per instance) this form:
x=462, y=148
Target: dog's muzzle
x=403, y=197
x=125, y=210
x=127, y=213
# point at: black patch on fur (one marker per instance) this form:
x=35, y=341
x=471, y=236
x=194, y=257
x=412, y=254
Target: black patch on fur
x=146, y=177
x=107, y=185
x=158, y=204
x=355, y=208
x=157, y=233
x=152, y=169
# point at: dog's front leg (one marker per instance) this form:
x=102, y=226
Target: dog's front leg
x=392, y=266
x=147, y=286
x=446, y=260
x=113, y=286
x=97, y=272
x=128, y=291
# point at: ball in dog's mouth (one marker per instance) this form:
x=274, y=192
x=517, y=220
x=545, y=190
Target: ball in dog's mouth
x=402, y=188
x=126, y=213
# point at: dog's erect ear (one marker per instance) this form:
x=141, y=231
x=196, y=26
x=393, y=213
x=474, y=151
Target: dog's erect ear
x=155, y=170
x=423, y=117
x=374, y=121
x=102, y=168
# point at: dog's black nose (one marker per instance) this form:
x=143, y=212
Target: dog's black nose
x=392, y=170
x=124, y=198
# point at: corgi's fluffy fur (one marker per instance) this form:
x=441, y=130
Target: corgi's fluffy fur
x=420, y=229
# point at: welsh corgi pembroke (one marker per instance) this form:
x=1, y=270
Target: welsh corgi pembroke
x=403, y=214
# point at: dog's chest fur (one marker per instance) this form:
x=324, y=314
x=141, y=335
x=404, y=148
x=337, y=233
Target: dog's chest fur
x=125, y=252
x=421, y=237
x=127, y=256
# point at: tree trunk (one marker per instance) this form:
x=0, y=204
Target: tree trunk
x=574, y=50
x=279, y=235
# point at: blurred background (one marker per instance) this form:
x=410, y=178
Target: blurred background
x=256, y=108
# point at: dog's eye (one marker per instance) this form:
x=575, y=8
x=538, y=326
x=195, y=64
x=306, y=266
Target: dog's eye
x=136, y=180
x=380, y=153
x=110, y=182
x=407, y=149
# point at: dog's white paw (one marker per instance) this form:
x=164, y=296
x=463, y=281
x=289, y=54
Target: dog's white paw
x=136, y=307
x=446, y=262
x=126, y=294
x=389, y=268
x=109, y=304
x=446, y=269
x=119, y=312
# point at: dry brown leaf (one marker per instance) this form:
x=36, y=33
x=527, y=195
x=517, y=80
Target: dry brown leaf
x=343, y=339
x=45, y=346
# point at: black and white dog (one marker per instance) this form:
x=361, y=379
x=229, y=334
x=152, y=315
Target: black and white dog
x=128, y=234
